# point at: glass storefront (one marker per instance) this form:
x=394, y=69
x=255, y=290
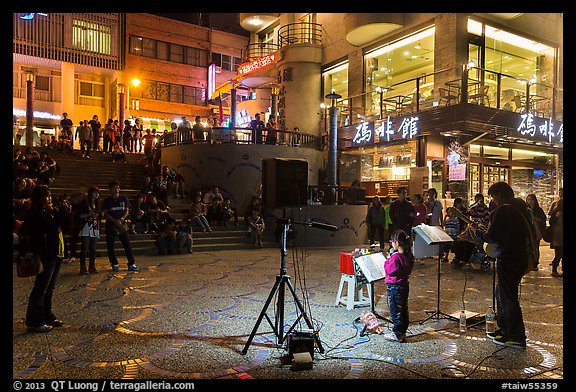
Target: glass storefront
x=526, y=171
x=380, y=169
x=394, y=70
x=335, y=80
x=516, y=61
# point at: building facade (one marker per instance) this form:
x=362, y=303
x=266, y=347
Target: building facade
x=452, y=101
x=119, y=66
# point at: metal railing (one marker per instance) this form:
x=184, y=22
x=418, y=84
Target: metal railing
x=224, y=135
x=257, y=50
x=476, y=86
x=330, y=195
x=300, y=33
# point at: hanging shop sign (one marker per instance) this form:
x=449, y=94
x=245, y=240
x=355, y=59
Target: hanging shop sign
x=538, y=128
x=257, y=64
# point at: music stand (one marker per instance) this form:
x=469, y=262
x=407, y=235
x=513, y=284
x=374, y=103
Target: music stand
x=434, y=235
x=282, y=281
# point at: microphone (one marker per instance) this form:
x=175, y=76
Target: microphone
x=323, y=226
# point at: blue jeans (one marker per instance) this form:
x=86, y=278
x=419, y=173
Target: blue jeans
x=88, y=248
x=39, y=310
x=111, y=239
x=398, y=303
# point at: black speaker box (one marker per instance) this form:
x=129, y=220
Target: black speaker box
x=300, y=343
x=284, y=182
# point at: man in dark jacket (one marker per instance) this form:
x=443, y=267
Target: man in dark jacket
x=512, y=234
x=402, y=213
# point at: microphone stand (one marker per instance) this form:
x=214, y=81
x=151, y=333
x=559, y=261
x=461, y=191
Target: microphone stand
x=282, y=281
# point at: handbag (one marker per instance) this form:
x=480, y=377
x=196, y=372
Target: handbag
x=28, y=265
x=547, y=234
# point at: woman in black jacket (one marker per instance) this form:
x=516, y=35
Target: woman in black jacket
x=375, y=219
x=539, y=218
x=43, y=227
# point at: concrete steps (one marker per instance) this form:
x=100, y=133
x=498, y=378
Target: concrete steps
x=99, y=170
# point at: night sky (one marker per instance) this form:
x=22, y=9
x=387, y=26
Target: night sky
x=229, y=22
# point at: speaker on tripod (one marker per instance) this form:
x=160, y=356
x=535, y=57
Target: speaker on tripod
x=284, y=182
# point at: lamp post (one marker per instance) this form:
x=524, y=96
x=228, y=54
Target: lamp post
x=29, y=109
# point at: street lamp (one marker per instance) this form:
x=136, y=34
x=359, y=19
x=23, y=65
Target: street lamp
x=124, y=99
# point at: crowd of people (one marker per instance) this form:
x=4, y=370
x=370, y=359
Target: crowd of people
x=384, y=217
x=514, y=226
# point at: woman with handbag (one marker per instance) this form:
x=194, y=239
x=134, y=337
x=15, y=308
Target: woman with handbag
x=43, y=226
x=89, y=213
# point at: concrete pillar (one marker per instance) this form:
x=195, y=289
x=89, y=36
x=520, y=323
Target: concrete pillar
x=67, y=86
x=68, y=93
x=300, y=95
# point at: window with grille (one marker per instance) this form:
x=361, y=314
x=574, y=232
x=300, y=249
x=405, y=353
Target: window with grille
x=176, y=53
x=42, y=83
x=148, y=47
x=161, y=50
x=226, y=62
x=89, y=89
x=169, y=92
x=91, y=37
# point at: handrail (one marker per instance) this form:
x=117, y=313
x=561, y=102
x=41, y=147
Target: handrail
x=546, y=102
x=259, y=49
x=300, y=33
x=223, y=135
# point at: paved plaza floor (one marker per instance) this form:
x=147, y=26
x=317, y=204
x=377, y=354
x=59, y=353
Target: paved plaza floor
x=190, y=317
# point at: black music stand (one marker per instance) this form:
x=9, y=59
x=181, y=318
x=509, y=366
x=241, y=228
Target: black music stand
x=282, y=281
x=434, y=235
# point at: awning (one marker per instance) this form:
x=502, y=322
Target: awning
x=158, y=125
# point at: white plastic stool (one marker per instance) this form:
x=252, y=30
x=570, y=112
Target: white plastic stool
x=355, y=295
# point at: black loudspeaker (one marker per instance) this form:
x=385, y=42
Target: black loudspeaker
x=301, y=342
x=284, y=182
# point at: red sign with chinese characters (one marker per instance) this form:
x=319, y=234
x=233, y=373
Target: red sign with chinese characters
x=262, y=62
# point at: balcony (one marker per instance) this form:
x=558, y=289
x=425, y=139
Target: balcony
x=300, y=33
x=257, y=50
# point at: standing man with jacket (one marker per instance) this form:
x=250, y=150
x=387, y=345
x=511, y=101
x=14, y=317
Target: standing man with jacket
x=511, y=231
x=402, y=212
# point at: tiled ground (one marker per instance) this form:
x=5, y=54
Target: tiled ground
x=189, y=317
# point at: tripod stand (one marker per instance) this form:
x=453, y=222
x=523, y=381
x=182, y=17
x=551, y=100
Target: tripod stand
x=437, y=313
x=282, y=281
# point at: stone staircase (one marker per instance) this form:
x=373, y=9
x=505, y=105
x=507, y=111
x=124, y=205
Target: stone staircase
x=99, y=170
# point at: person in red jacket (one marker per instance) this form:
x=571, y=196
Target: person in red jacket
x=398, y=267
